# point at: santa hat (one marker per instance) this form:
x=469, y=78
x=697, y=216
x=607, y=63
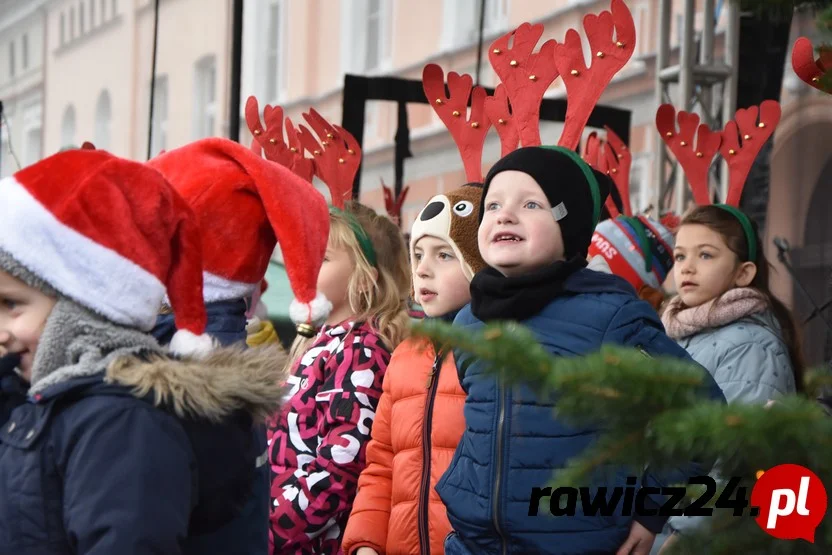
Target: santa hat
x=245, y=205
x=110, y=234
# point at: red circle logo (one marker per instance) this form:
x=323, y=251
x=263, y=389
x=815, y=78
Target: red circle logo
x=791, y=500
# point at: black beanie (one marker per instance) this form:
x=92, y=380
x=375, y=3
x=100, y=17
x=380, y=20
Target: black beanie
x=572, y=187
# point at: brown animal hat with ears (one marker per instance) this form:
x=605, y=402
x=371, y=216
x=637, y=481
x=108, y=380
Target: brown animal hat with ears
x=453, y=218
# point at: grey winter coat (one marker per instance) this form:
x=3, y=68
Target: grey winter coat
x=747, y=358
x=749, y=362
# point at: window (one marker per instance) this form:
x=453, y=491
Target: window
x=103, y=11
x=11, y=59
x=103, y=115
x=365, y=32
x=82, y=21
x=63, y=29
x=92, y=14
x=461, y=21
x=32, y=134
x=205, y=104
x=71, y=23
x=374, y=32
x=6, y=164
x=68, y=127
x=642, y=22
x=24, y=44
x=159, y=124
x=115, y=8
x=274, y=51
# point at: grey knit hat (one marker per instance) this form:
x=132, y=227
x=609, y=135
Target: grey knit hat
x=15, y=269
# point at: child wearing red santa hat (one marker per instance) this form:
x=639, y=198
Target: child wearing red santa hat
x=246, y=204
x=110, y=453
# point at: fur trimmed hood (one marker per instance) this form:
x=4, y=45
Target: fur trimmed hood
x=227, y=380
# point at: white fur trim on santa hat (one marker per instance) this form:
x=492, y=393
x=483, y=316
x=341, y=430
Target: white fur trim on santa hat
x=216, y=288
x=186, y=343
x=315, y=312
x=75, y=265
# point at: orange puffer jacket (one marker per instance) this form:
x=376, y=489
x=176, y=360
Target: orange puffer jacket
x=418, y=425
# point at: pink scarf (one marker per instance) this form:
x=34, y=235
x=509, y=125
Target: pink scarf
x=680, y=321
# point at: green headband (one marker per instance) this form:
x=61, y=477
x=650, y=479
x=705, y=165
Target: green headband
x=748, y=229
x=643, y=240
x=360, y=234
x=594, y=188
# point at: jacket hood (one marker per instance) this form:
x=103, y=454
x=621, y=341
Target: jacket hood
x=228, y=380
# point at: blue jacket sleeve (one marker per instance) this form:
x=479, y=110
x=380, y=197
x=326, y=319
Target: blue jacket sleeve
x=127, y=481
x=636, y=324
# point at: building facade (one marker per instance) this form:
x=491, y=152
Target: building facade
x=21, y=83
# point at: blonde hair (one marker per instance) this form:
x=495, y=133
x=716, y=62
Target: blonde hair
x=383, y=304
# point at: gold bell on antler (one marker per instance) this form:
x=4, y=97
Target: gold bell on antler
x=761, y=125
x=731, y=151
x=257, y=131
x=513, y=63
x=599, y=54
x=575, y=72
x=619, y=44
x=340, y=160
x=329, y=135
x=351, y=151
x=668, y=134
x=746, y=137
x=501, y=121
x=683, y=143
x=293, y=149
x=439, y=102
x=497, y=51
x=455, y=113
x=475, y=124
x=273, y=141
x=305, y=330
x=699, y=155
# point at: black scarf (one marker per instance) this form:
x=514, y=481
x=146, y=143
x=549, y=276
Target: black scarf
x=497, y=297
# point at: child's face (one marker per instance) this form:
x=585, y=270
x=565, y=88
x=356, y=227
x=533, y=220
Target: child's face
x=704, y=267
x=23, y=315
x=333, y=282
x=439, y=283
x=518, y=233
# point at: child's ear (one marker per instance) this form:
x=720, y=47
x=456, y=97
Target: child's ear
x=745, y=274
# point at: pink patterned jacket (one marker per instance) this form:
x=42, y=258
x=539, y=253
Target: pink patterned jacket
x=317, y=443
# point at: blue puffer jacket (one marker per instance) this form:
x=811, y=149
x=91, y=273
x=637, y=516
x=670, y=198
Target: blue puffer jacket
x=514, y=442
x=89, y=466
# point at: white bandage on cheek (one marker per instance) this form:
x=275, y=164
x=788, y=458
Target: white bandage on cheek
x=559, y=212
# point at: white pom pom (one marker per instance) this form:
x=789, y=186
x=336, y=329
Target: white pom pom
x=320, y=308
x=185, y=343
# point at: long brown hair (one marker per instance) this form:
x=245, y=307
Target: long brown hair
x=729, y=227
x=384, y=304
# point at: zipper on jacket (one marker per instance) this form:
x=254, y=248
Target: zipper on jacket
x=424, y=489
x=495, y=509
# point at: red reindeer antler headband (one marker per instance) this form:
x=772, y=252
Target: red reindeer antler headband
x=614, y=159
x=526, y=75
x=809, y=69
x=335, y=159
x=468, y=132
x=739, y=143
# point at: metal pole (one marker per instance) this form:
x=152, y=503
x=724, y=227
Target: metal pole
x=236, y=71
x=729, y=91
x=662, y=59
x=706, y=59
x=479, y=41
x=686, y=52
x=153, y=80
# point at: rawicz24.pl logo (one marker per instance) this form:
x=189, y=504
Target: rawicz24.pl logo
x=787, y=501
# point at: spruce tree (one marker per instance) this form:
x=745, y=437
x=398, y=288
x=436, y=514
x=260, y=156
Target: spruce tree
x=654, y=413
